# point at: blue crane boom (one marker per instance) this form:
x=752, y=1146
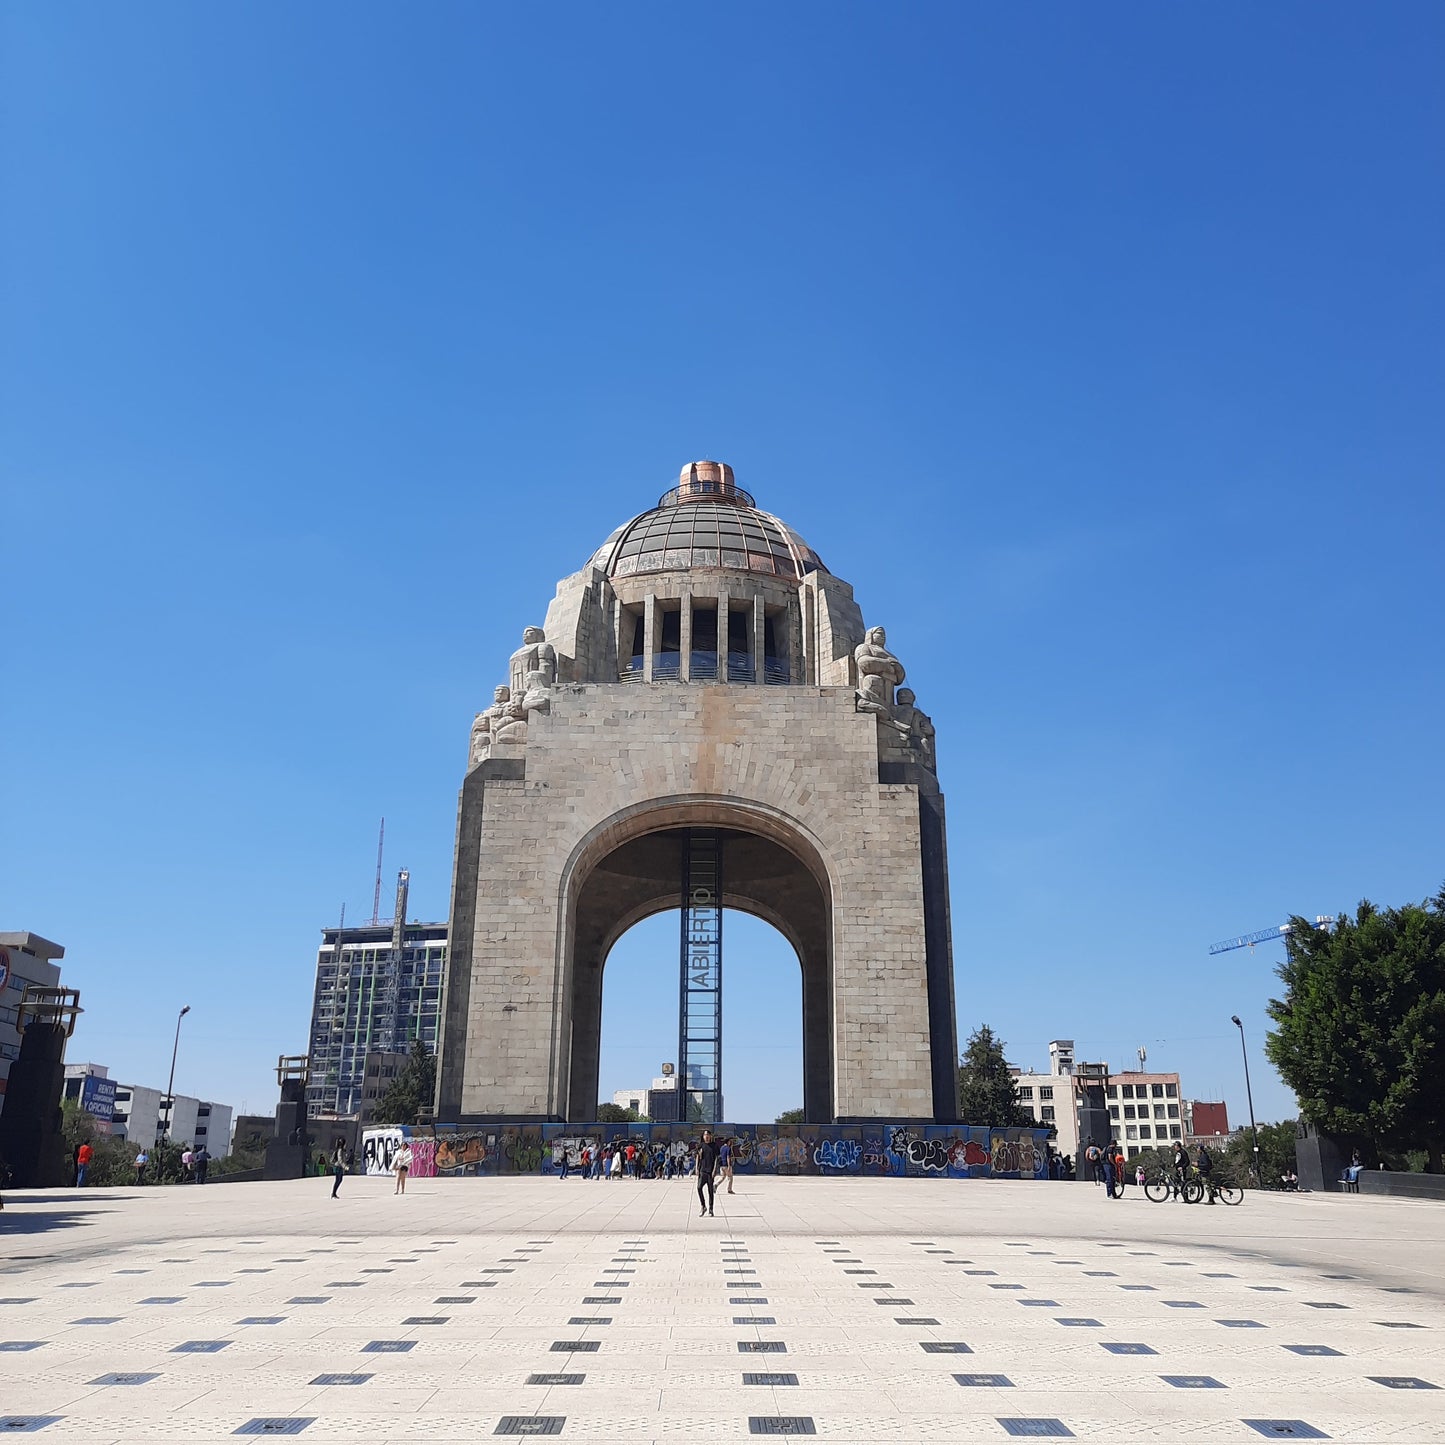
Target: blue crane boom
x=1248, y=940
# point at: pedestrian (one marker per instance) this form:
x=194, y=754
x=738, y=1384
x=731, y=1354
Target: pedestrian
x=338, y=1167
x=187, y=1158
x=1180, y=1162
x=706, y=1168
x=1107, y=1165
x=1120, y=1177
x=83, y=1156
x=1139, y=1176
x=401, y=1166
x=725, y=1161
x=631, y=1160
x=617, y=1158
x=141, y=1160
x=564, y=1161
x=201, y=1160
x=586, y=1161
x=1094, y=1156
x=1205, y=1164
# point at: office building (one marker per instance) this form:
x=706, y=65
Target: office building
x=378, y=991
x=93, y=1088
x=139, y=1113
x=24, y=958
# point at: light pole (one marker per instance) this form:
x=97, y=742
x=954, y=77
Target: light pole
x=163, y=1123
x=1254, y=1132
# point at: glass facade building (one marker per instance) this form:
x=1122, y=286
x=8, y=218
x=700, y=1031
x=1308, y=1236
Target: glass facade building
x=371, y=996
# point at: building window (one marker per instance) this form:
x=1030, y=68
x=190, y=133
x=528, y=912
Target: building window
x=1144, y=1132
x=1128, y=1111
x=1157, y=1090
x=1026, y=1092
x=1046, y=1092
x=1132, y=1152
x=1048, y=1113
x=1174, y=1131
x=1128, y=1091
x=1158, y=1111
x=1114, y=1135
x=1113, y=1111
x=1170, y=1091
x=1113, y=1091
x=1173, y=1111
x=1130, y=1132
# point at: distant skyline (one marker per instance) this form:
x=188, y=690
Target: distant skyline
x=1099, y=352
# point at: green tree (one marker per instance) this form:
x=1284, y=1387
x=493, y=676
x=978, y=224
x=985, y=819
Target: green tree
x=987, y=1093
x=412, y=1091
x=1361, y=1027
x=1276, y=1152
x=791, y=1116
x=616, y=1114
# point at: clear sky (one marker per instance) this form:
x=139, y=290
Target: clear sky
x=1099, y=349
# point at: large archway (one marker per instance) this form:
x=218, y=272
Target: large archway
x=640, y=876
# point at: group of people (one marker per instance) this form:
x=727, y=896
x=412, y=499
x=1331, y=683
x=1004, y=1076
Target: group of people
x=1109, y=1169
x=708, y=1161
x=195, y=1160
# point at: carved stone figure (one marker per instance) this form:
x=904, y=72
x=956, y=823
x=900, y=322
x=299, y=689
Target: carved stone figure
x=535, y=655
x=510, y=726
x=879, y=672
x=914, y=724
x=484, y=726
x=538, y=696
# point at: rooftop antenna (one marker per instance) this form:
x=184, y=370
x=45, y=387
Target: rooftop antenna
x=376, y=896
x=1143, y=1054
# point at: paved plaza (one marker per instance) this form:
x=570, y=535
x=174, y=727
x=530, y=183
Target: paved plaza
x=855, y=1310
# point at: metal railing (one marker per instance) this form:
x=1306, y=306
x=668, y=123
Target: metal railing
x=738, y=667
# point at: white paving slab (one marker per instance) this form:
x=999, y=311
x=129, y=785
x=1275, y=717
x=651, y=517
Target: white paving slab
x=452, y=1298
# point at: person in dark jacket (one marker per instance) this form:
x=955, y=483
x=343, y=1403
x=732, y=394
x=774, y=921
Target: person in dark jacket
x=706, y=1168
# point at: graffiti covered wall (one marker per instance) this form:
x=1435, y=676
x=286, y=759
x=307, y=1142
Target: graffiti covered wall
x=900, y=1151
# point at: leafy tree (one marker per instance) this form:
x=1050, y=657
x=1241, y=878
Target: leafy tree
x=411, y=1091
x=1361, y=1036
x=791, y=1116
x=987, y=1092
x=1276, y=1152
x=616, y=1114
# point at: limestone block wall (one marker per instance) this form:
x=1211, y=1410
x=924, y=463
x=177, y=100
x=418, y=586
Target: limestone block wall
x=610, y=761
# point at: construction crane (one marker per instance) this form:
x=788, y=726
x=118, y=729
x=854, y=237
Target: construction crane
x=1268, y=935
x=376, y=896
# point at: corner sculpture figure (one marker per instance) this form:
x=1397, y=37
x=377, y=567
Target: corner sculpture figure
x=879, y=672
x=702, y=723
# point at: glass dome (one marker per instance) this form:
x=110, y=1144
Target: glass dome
x=706, y=521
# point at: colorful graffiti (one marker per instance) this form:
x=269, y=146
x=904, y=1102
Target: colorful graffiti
x=901, y=1151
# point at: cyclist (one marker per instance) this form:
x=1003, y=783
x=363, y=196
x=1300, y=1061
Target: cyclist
x=1205, y=1165
x=1181, y=1168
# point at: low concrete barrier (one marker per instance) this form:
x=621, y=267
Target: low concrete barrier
x=1401, y=1185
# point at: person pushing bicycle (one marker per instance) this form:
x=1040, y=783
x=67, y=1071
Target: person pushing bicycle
x=1205, y=1165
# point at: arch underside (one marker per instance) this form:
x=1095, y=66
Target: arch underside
x=643, y=876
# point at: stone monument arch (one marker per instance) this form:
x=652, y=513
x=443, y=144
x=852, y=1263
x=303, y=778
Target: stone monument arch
x=703, y=722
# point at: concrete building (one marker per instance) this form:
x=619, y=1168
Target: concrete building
x=378, y=990
x=1206, y=1123
x=379, y=1069
x=24, y=958
x=138, y=1111
x=703, y=722
x=1145, y=1110
x=93, y=1088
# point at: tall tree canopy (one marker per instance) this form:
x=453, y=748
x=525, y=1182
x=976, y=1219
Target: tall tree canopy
x=987, y=1092
x=1361, y=1036
x=413, y=1089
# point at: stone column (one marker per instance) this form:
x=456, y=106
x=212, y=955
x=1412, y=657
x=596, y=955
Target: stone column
x=685, y=636
x=722, y=637
x=649, y=635
x=759, y=616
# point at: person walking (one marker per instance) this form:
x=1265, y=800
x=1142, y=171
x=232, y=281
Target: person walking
x=706, y=1168
x=617, y=1158
x=1205, y=1164
x=1180, y=1162
x=1107, y=1165
x=338, y=1167
x=83, y=1156
x=725, y=1161
x=141, y=1160
x=201, y=1161
x=401, y=1165
x=1121, y=1177
x=564, y=1161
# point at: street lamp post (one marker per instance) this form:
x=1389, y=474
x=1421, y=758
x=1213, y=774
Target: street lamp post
x=1254, y=1132
x=163, y=1124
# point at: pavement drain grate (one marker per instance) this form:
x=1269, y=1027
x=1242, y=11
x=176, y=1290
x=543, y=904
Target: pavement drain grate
x=530, y=1425
x=341, y=1379
x=781, y=1425
x=200, y=1347
x=1137, y=1286
x=1240, y=1324
x=1037, y=1426
x=1397, y=1325
x=766, y=1377
x=455, y=1299
x=1312, y=1350
x=163, y=1299
x=1183, y=1304
x=27, y=1424
x=121, y=1379
x=590, y=1320
x=388, y=1347
x=1269, y=1288
x=17, y=1346
x=1192, y=1382
x=1219, y=1275
x=426, y=1319
x=944, y=1347
x=274, y=1425
x=345, y=1283
x=762, y=1347
x=263, y=1320
x=860, y=1271
x=479, y=1284
x=1286, y=1429
x=544, y=1379
x=78, y=1284
x=601, y=1299
x=1096, y=1273
x=575, y=1347
x=892, y=1299
x=611, y=1283
x=914, y=1320
x=938, y=1251
x=98, y=1320
x=380, y=1269
x=874, y=1283
x=1402, y=1382
x=1052, y=1304
x=309, y=1299
x=1005, y=1286
x=497, y=1269
x=1127, y=1348
x=262, y=1271
x=741, y=1299
x=998, y=1382
x=211, y=1284
x=1400, y=1289
x=754, y=1320
x=1080, y=1322
x=1324, y=1304
x=981, y=1271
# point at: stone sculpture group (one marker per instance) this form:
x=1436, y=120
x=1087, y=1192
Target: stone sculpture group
x=533, y=671
x=880, y=691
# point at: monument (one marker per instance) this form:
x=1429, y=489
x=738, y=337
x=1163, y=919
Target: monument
x=703, y=722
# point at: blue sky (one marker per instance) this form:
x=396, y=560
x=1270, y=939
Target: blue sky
x=1098, y=350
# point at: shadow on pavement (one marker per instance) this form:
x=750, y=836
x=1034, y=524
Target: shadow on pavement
x=24, y=1220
